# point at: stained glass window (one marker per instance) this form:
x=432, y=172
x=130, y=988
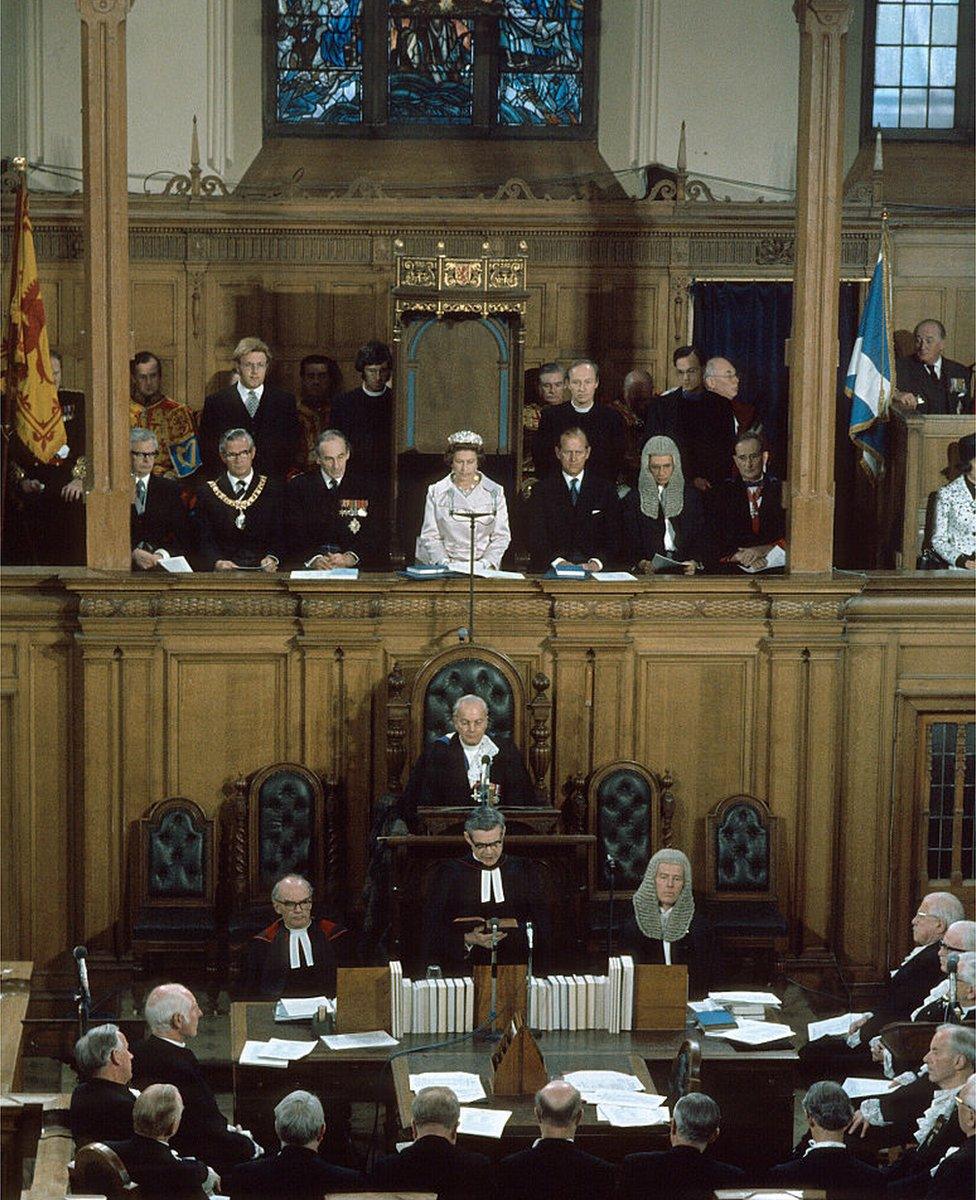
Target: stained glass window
x=384, y=64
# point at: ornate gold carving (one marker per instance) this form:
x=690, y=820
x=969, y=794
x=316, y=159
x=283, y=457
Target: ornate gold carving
x=737, y=608
x=807, y=608
x=468, y=273
x=772, y=251
x=196, y=185
x=609, y=609
x=417, y=272
x=506, y=273
x=337, y=607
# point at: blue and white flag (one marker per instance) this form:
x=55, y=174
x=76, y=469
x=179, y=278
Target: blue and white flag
x=870, y=373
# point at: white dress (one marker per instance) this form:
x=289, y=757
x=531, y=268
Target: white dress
x=954, y=530
x=446, y=538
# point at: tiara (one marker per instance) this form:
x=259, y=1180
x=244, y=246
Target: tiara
x=466, y=437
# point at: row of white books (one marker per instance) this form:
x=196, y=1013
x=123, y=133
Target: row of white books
x=423, y=1006
x=584, y=1001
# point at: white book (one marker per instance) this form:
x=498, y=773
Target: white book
x=613, y=995
x=407, y=989
x=533, y=1004
x=573, y=993
x=468, y=1005
x=440, y=988
x=396, y=1010
x=451, y=984
x=562, y=1010
x=627, y=992
x=545, y=1021
x=430, y=1007
x=584, y=1001
x=555, y=1001
x=421, y=1005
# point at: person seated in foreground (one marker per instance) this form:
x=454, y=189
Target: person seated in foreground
x=959, y=938
x=747, y=511
x=664, y=927
x=160, y=1172
x=172, y=1017
x=296, y=955
x=101, y=1105
x=240, y=512
x=158, y=524
x=952, y=1178
x=954, y=529
x=434, y=1162
x=452, y=770
x=467, y=894
x=553, y=1168
x=827, y=1163
x=663, y=514
x=686, y=1171
x=295, y=1172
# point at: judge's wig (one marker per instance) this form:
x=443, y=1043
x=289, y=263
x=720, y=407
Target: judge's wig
x=647, y=907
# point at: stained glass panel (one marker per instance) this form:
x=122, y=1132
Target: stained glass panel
x=431, y=76
x=541, y=45
x=539, y=99
x=319, y=56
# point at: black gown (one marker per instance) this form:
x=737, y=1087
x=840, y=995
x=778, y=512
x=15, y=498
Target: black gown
x=696, y=950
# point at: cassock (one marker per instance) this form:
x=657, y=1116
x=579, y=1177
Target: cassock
x=604, y=429
x=367, y=421
x=465, y=888
x=320, y=519
x=292, y=962
x=442, y=776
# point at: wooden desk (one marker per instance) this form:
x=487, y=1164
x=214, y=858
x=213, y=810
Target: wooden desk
x=753, y=1134
x=15, y=978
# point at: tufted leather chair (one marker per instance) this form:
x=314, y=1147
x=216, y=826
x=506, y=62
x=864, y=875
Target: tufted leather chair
x=98, y=1170
x=172, y=907
x=286, y=826
x=624, y=797
x=463, y=677
x=742, y=897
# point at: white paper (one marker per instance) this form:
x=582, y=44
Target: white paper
x=282, y=1048
x=482, y=570
x=376, y=1038
x=253, y=1055
x=592, y=1081
x=332, y=573
x=464, y=1084
x=767, y=998
x=301, y=1008
x=483, y=1122
x=623, y=1096
x=626, y=1116
x=753, y=1033
x=662, y=564
x=856, y=1087
x=176, y=566
x=700, y=1006
x=833, y=1026
x=775, y=558
x=614, y=576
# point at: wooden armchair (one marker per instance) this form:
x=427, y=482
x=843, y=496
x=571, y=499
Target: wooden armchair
x=908, y=1043
x=98, y=1170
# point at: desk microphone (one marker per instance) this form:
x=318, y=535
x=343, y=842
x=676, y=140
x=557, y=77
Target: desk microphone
x=485, y=773
x=611, y=871
x=80, y=954
x=952, y=965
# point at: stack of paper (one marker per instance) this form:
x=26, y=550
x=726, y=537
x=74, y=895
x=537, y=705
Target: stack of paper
x=594, y=1081
x=833, y=1026
x=302, y=1008
x=483, y=1122
x=255, y=1054
x=857, y=1087
x=373, y=1040
x=464, y=1084
x=753, y=1033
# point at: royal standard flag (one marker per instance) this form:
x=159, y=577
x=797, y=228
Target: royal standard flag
x=869, y=375
x=28, y=380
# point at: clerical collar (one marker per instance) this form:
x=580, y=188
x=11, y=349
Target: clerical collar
x=582, y=410
x=373, y=394
x=491, y=885
x=298, y=940
x=172, y=1041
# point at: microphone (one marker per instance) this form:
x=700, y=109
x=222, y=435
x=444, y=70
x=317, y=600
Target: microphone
x=952, y=965
x=485, y=773
x=530, y=933
x=80, y=954
x=463, y=634
x=611, y=870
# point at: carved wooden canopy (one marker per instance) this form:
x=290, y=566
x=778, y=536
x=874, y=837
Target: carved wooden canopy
x=442, y=284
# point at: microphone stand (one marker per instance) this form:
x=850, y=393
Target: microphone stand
x=611, y=869
x=470, y=517
x=493, y=1035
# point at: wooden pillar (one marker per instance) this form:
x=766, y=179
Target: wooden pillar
x=106, y=235
x=814, y=348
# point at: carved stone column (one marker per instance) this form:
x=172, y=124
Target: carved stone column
x=813, y=357
x=106, y=236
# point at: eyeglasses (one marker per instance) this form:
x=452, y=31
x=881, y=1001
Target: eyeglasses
x=238, y=453
x=944, y=945
x=291, y=905
x=477, y=847
x=924, y=916
x=143, y=453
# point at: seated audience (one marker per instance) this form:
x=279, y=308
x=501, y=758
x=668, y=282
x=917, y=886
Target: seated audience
x=927, y=383
x=954, y=528
x=663, y=926
x=240, y=512
x=319, y=379
x=171, y=423
x=330, y=518
x=710, y=423
x=452, y=770
x=959, y=938
x=365, y=414
x=827, y=1163
x=445, y=536
x=747, y=512
x=602, y=424
x=267, y=414
x=466, y=894
x=663, y=514
x=553, y=1168
x=172, y=1015
x=158, y=526
x=572, y=514
x=296, y=1172
x=434, y=1162
x=101, y=1105
x=295, y=956
x=159, y=1171
x=686, y=1171
x=952, y=1178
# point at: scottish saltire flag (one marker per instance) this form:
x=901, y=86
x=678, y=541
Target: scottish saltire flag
x=870, y=373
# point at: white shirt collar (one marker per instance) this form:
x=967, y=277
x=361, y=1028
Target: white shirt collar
x=143, y=478
x=233, y=481
x=569, y=478
x=937, y=367
x=823, y=1146
x=328, y=480
x=582, y=410
x=243, y=391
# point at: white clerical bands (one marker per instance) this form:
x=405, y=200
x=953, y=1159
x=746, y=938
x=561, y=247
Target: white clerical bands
x=298, y=940
x=491, y=885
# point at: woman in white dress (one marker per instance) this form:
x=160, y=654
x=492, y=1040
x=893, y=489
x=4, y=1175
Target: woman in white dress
x=954, y=532
x=445, y=536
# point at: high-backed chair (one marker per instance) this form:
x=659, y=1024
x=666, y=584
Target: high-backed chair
x=907, y=1042
x=98, y=1170
x=744, y=904
x=282, y=819
x=173, y=888
x=685, y=1074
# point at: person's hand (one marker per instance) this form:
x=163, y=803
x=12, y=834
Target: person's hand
x=73, y=490
x=859, y=1125
x=970, y=564
x=856, y=1025
x=327, y=562
x=905, y=400
x=702, y=484
x=145, y=558
x=591, y=565
x=877, y=1050
x=31, y=486
x=482, y=938
x=225, y=564
x=269, y=564
x=749, y=556
x=644, y=567
x=690, y=566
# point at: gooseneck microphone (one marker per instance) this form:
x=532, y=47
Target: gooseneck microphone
x=80, y=955
x=611, y=871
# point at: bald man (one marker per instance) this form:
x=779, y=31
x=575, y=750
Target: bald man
x=928, y=383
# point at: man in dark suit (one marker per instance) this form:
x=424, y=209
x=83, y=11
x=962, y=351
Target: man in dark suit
x=160, y=1172
x=602, y=424
x=747, y=512
x=172, y=1015
x=925, y=381
x=953, y=1177
x=710, y=422
x=669, y=413
x=827, y=1163
x=572, y=513
x=157, y=520
x=553, y=1168
x=686, y=1171
x=330, y=514
x=240, y=513
x=101, y=1106
x=434, y=1162
x=296, y=1172
x=268, y=414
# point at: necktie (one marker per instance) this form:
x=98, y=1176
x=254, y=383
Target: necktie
x=574, y=492
x=332, y=485
x=930, y=367
x=251, y=403
x=240, y=487
x=140, y=496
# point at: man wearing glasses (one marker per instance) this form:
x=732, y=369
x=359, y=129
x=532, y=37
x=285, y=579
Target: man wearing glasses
x=296, y=955
x=157, y=523
x=240, y=512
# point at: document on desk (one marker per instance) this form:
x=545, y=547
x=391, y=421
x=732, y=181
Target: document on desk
x=283, y=1048
x=753, y=1033
x=833, y=1026
x=301, y=1008
x=331, y=573
x=483, y=1122
x=628, y=1116
x=593, y=1081
x=464, y=1084
x=856, y=1087
x=376, y=1039
x=177, y=565
x=614, y=577
x=254, y=1054
x=622, y=1096
x=767, y=998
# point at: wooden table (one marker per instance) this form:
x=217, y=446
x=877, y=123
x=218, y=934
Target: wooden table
x=754, y=1088
x=15, y=980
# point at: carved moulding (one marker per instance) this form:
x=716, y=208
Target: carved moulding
x=618, y=608
x=733, y=608
x=808, y=608
x=204, y=604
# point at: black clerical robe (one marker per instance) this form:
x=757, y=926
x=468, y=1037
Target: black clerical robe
x=101, y=1111
x=440, y=778
x=456, y=892
x=268, y=970
x=696, y=950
